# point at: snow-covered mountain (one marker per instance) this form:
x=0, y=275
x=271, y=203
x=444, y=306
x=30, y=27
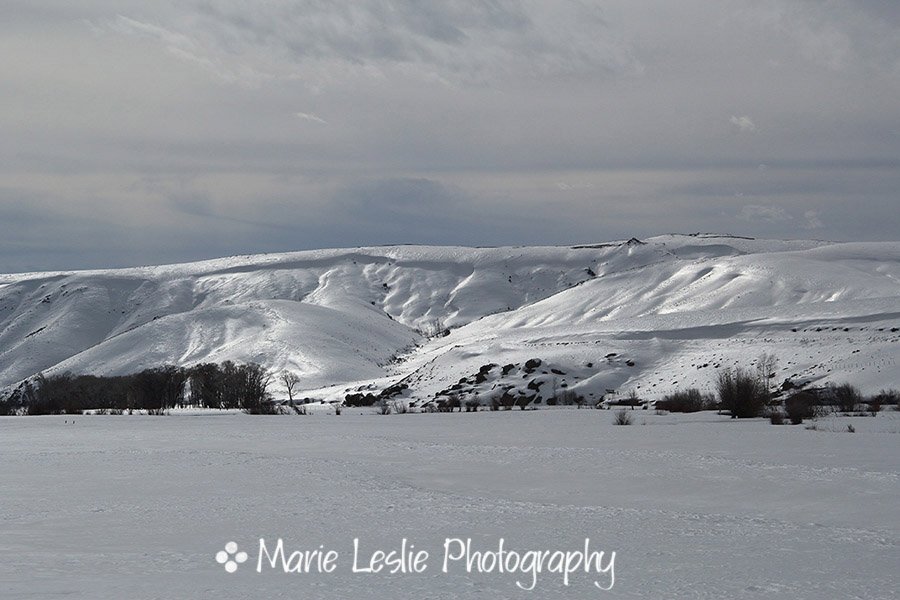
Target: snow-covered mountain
x=651, y=316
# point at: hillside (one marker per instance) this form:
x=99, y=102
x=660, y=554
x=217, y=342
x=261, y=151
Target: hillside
x=650, y=316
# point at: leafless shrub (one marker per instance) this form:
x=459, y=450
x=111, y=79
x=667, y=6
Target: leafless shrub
x=846, y=396
x=622, y=417
x=886, y=397
x=686, y=401
x=740, y=393
x=800, y=406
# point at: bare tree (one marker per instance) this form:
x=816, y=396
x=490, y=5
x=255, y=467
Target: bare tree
x=252, y=381
x=766, y=368
x=290, y=381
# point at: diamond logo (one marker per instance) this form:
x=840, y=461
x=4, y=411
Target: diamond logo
x=230, y=557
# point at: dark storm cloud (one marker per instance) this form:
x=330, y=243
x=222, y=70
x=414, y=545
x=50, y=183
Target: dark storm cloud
x=139, y=132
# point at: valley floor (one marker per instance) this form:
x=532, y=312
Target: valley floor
x=695, y=506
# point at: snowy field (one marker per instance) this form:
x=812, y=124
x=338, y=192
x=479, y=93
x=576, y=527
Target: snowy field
x=695, y=506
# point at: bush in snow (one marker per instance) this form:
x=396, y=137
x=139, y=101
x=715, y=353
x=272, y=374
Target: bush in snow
x=800, y=406
x=449, y=403
x=357, y=400
x=846, y=396
x=885, y=397
x=631, y=400
x=623, y=417
x=266, y=408
x=882, y=399
x=567, y=398
x=686, y=401
x=740, y=393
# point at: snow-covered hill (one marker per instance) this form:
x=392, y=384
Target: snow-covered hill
x=651, y=316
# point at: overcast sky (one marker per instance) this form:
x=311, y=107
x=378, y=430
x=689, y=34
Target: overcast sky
x=166, y=131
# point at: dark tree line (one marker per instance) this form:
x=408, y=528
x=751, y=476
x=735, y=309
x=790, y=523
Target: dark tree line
x=210, y=385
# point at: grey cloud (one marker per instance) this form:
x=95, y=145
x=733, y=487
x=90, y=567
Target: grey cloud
x=417, y=195
x=813, y=220
x=844, y=34
x=138, y=132
x=429, y=211
x=35, y=237
x=743, y=124
x=888, y=10
x=456, y=40
x=801, y=180
x=404, y=209
x=25, y=13
x=198, y=205
x=756, y=212
x=311, y=117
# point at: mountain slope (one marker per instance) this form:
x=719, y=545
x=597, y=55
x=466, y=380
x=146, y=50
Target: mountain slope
x=648, y=316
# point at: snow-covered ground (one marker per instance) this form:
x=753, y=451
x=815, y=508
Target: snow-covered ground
x=651, y=317
x=695, y=506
